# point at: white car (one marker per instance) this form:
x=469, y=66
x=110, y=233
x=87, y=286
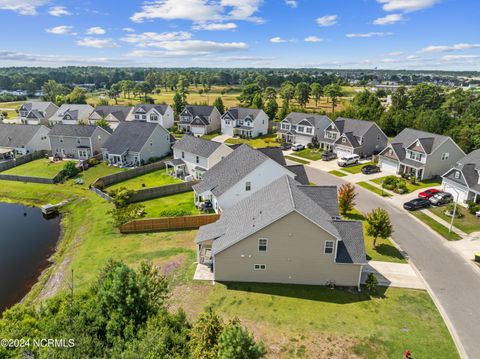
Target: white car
x=348, y=160
x=297, y=147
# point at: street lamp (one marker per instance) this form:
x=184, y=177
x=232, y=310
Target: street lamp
x=454, y=211
x=382, y=187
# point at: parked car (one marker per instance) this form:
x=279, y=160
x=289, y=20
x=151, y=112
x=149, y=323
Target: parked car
x=368, y=169
x=441, y=198
x=348, y=160
x=297, y=147
x=429, y=193
x=329, y=155
x=285, y=146
x=417, y=203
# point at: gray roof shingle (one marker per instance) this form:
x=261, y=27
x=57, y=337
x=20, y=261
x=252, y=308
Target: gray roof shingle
x=243, y=112
x=129, y=136
x=357, y=127
x=73, y=130
x=196, y=145
x=430, y=141
x=275, y=153
x=119, y=112
x=17, y=136
x=160, y=108
x=300, y=173
x=470, y=168
x=198, y=110
x=351, y=249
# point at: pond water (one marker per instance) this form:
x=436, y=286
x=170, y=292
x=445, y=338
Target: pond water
x=27, y=240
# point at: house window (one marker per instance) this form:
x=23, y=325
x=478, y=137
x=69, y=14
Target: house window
x=197, y=159
x=445, y=156
x=248, y=186
x=144, y=117
x=300, y=128
x=344, y=140
x=378, y=137
x=61, y=140
x=328, y=247
x=259, y=266
x=153, y=118
x=137, y=116
x=309, y=130
x=457, y=174
x=262, y=245
x=183, y=154
x=78, y=140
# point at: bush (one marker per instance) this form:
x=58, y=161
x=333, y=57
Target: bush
x=92, y=162
x=70, y=169
x=390, y=182
x=310, y=145
x=174, y=213
x=122, y=215
x=371, y=283
x=473, y=207
x=451, y=207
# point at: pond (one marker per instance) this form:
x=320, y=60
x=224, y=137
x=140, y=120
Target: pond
x=27, y=240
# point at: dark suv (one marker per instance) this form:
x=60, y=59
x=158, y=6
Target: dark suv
x=328, y=156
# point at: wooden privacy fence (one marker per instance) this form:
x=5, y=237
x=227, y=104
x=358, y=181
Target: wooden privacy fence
x=155, y=192
x=23, y=159
x=168, y=223
x=123, y=176
x=56, y=179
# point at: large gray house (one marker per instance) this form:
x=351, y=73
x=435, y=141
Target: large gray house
x=161, y=114
x=245, y=122
x=422, y=154
x=463, y=180
x=284, y=233
x=301, y=128
x=346, y=136
x=18, y=140
x=134, y=143
x=37, y=113
x=112, y=114
x=199, y=120
x=72, y=114
x=77, y=141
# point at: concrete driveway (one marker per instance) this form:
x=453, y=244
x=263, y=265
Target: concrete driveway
x=399, y=275
x=453, y=283
x=221, y=138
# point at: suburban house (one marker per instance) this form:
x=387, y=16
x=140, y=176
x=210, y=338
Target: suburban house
x=194, y=156
x=284, y=233
x=159, y=114
x=36, y=113
x=199, y=120
x=237, y=176
x=134, y=143
x=346, y=136
x=112, y=114
x=421, y=154
x=18, y=140
x=77, y=141
x=463, y=180
x=69, y=114
x=244, y=122
x=301, y=128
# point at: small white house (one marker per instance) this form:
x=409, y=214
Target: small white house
x=37, y=113
x=71, y=114
x=159, y=114
x=245, y=122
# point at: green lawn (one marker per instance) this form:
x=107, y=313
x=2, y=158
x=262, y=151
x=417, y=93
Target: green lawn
x=309, y=154
x=211, y=135
x=318, y=322
x=437, y=227
x=416, y=186
x=468, y=223
x=38, y=168
x=337, y=173
x=152, y=179
x=357, y=168
x=384, y=251
x=259, y=142
x=180, y=201
x=374, y=189
x=291, y=158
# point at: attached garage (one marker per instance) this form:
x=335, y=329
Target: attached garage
x=388, y=166
x=342, y=151
x=456, y=191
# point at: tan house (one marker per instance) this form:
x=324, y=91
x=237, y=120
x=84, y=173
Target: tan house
x=284, y=233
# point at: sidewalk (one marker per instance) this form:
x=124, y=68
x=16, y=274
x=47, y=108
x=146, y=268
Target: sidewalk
x=444, y=223
x=399, y=275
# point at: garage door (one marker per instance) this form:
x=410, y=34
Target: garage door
x=342, y=152
x=462, y=195
x=388, y=166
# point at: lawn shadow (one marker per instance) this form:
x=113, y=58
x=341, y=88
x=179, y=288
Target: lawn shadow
x=339, y=295
x=389, y=251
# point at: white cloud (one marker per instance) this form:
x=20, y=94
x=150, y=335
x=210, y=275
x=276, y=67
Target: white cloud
x=327, y=20
x=198, y=10
x=59, y=11
x=97, y=43
x=58, y=60
x=190, y=48
x=395, y=53
x=460, y=57
x=413, y=57
x=291, y=3
x=313, y=39
x=389, y=19
x=153, y=38
x=279, y=40
x=61, y=30
x=215, y=26
x=369, y=34
x=128, y=29
x=445, y=48
x=96, y=30
x=23, y=7
x=407, y=5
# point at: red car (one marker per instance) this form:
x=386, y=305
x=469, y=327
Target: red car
x=429, y=193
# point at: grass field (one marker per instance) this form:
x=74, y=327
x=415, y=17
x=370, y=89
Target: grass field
x=309, y=154
x=37, y=168
x=468, y=223
x=259, y=142
x=152, y=179
x=180, y=201
x=211, y=135
x=337, y=173
x=357, y=168
x=384, y=251
x=374, y=189
x=299, y=160
x=414, y=187
x=437, y=227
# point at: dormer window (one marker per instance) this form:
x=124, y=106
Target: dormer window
x=344, y=140
x=197, y=159
x=248, y=186
x=457, y=174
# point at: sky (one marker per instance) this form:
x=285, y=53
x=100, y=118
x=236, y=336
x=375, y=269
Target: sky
x=337, y=34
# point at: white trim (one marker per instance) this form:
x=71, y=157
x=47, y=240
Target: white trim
x=360, y=278
x=332, y=247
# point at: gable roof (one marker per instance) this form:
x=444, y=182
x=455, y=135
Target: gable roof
x=120, y=112
x=300, y=173
x=196, y=145
x=221, y=177
x=429, y=141
x=320, y=122
x=160, y=108
x=356, y=127
x=37, y=105
x=73, y=130
x=199, y=110
x=352, y=141
x=130, y=136
x=469, y=166
x=17, y=136
x=243, y=112
x=77, y=111
x=271, y=203
x=275, y=153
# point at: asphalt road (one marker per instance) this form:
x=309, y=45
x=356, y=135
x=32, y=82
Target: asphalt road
x=455, y=284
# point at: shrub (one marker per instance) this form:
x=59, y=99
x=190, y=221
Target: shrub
x=390, y=182
x=121, y=196
x=122, y=215
x=371, y=283
x=473, y=207
x=451, y=207
x=310, y=145
x=173, y=212
x=93, y=161
x=70, y=169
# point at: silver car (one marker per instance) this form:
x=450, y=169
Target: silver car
x=441, y=198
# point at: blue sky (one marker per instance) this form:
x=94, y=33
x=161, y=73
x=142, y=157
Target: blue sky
x=389, y=34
